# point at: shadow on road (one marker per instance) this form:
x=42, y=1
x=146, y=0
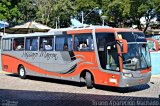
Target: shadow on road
x=39, y=98
x=123, y=90
x=51, y=80
x=105, y=88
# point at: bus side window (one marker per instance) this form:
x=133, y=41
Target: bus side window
x=64, y=43
x=18, y=44
x=83, y=42
x=31, y=44
x=7, y=44
x=46, y=43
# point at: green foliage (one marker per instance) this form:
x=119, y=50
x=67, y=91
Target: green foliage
x=28, y=11
x=14, y=11
x=90, y=11
x=64, y=10
x=7, y=11
x=130, y=11
x=84, y=5
x=49, y=12
x=44, y=10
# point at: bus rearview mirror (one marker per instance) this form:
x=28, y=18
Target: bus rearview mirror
x=152, y=44
x=123, y=46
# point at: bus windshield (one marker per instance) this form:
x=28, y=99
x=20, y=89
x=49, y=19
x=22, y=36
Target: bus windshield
x=138, y=56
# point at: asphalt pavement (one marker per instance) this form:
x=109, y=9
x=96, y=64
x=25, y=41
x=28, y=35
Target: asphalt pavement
x=37, y=91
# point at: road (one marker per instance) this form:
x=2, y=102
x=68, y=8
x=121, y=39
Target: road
x=51, y=92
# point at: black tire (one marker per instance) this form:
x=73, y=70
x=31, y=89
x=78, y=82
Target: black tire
x=22, y=72
x=89, y=81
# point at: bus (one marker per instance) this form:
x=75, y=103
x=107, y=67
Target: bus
x=155, y=37
x=95, y=55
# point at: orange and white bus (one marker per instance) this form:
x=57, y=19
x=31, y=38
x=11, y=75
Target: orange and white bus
x=94, y=55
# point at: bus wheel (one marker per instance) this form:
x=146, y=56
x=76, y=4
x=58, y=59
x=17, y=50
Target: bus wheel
x=22, y=72
x=89, y=81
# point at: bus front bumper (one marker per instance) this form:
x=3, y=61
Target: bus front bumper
x=133, y=81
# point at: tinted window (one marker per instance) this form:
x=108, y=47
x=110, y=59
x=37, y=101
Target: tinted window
x=18, y=44
x=83, y=42
x=104, y=39
x=132, y=36
x=31, y=44
x=46, y=43
x=64, y=43
x=7, y=44
x=107, y=51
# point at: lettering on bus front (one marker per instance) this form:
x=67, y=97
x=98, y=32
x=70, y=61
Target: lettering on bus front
x=43, y=54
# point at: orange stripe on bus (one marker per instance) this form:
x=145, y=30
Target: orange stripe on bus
x=15, y=60
x=146, y=71
x=79, y=31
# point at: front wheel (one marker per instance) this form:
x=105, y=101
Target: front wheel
x=22, y=72
x=89, y=81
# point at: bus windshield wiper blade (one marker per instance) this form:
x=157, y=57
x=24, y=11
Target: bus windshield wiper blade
x=144, y=60
x=141, y=56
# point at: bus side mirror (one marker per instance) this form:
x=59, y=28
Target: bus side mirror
x=152, y=44
x=123, y=46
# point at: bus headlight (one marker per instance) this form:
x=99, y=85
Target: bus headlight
x=127, y=74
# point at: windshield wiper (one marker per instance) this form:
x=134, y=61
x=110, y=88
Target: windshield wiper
x=141, y=56
x=144, y=59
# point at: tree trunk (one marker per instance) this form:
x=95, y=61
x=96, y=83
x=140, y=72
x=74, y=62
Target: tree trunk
x=139, y=25
x=145, y=29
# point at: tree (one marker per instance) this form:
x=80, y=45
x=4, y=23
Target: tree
x=117, y=12
x=90, y=10
x=131, y=11
x=27, y=9
x=44, y=10
x=9, y=12
x=152, y=11
x=49, y=12
x=63, y=10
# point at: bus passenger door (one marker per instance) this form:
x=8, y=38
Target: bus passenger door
x=107, y=51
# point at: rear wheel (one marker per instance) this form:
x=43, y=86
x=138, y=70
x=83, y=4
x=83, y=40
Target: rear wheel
x=89, y=80
x=22, y=72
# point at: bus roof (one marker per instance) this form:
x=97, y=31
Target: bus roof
x=70, y=30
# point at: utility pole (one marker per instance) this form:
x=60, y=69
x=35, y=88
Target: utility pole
x=103, y=18
x=82, y=18
x=56, y=24
x=4, y=22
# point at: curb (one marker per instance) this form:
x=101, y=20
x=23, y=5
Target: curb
x=155, y=76
x=4, y=72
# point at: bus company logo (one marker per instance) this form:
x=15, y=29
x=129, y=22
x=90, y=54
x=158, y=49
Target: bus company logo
x=43, y=54
x=30, y=55
x=48, y=55
x=141, y=37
